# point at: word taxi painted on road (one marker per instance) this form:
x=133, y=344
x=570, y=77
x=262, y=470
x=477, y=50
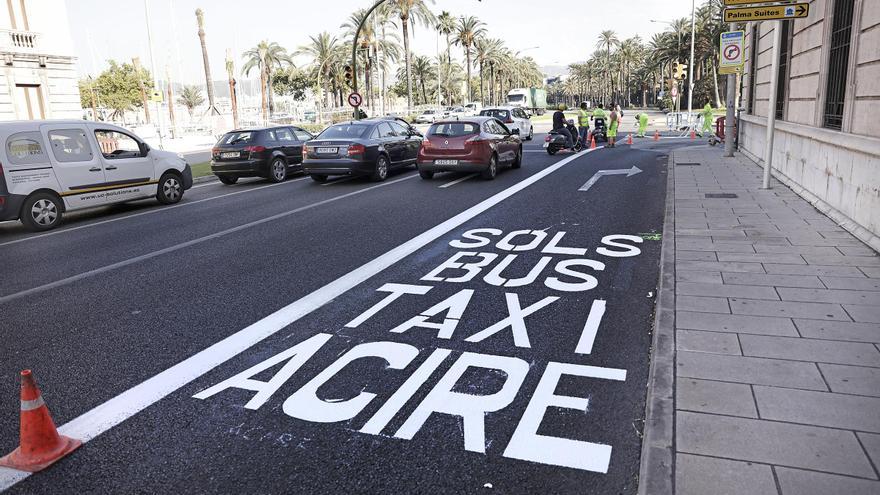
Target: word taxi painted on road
x=483, y=258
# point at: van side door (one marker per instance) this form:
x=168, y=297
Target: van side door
x=129, y=172
x=76, y=163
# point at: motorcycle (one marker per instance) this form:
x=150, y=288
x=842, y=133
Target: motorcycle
x=555, y=142
x=600, y=130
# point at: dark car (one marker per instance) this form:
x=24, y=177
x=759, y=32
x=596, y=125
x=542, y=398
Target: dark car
x=270, y=152
x=475, y=144
x=362, y=147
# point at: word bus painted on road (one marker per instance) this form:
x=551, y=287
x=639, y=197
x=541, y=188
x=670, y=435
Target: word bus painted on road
x=485, y=258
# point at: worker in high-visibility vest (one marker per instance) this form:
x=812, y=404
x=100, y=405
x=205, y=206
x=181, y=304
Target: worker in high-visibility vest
x=598, y=112
x=643, y=124
x=707, y=119
x=583, y=123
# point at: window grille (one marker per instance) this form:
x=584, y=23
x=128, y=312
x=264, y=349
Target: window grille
x=838, y=64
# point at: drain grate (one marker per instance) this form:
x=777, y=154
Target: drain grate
x=687, y=164
x=721, y=195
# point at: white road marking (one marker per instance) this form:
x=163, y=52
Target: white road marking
x=177, y=247
x=337, y=181
x=456, y=181
x=629, y=172
x=158, y=209
x=125, y=405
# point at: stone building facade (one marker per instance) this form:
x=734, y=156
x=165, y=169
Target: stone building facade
x=38, y=78
x=827, y=140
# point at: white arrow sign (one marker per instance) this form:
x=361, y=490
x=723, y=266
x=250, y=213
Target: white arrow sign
x=621, y=171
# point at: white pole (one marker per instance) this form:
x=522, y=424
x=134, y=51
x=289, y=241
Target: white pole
x=771, y=106
x=153, y=70
x=691, y=67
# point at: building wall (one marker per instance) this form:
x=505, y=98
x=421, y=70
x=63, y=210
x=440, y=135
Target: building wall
x=838, y=171
x=36, y=50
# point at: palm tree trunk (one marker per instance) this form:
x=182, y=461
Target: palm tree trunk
x=482, y=98
x=408, y=65
x=470, y=93
x=264, y=100
x=715, y=84
x=269, y=92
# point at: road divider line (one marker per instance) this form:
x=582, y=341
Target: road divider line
x=125, y=405
x=158, y=209
x=182, y=245
x=456, y=181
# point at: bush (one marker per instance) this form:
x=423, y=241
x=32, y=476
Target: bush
x=666, y=103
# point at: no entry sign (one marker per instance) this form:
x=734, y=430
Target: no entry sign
x=355, y=99
x=732, y=48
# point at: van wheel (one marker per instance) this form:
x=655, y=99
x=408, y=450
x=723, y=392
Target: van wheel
x=41, y=211
x=492, y=170
x=277, y=170
x=170, y=189
x=228, y=179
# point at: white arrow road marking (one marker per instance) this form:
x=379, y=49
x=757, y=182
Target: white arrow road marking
x=629, y=172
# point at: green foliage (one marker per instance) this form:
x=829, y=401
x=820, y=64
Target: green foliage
x=666, y=103
x=117, y=88
x=191, y=97
x=704, y=92
x=291, y=81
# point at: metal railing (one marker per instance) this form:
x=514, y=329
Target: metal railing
x=16, y=40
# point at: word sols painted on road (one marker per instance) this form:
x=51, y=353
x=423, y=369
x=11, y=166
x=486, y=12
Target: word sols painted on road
x=484, y=258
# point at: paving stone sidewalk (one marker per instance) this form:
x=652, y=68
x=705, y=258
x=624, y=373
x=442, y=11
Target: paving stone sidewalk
x=777, y=340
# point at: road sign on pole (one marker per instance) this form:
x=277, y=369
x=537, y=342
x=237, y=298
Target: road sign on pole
x=355, y=99
x=748, y=2
x=732, y=47
x=767, y=13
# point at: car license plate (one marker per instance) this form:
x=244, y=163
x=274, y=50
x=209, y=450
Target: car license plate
x=229, y=154
x=546, y=145
x=445, y=162
x=326, y=151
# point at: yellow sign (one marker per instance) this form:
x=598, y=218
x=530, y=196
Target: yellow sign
x=767, y=13
x=748, y=2
x=731, y=70
x=156, y=96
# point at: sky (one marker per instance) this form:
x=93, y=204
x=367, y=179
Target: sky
x=103, y=30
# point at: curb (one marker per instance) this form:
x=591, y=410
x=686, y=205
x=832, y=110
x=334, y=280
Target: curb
x=205, y=178
x=656, y=472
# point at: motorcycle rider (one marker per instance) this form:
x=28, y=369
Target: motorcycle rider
x=559, y=125
x=583, y=122
x=599, y=113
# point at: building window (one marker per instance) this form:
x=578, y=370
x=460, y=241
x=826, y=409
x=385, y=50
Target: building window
x=784, y=58
x=838, y=64
x=30, y=101
x=753, y=68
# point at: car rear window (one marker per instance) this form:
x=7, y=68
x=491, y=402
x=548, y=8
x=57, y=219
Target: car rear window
x=343, y=131
x=453, y=129
x=498, y=114
x=237, y=137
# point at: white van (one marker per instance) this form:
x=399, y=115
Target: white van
x=48, y=167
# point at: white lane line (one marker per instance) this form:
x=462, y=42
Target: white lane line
x=177, y=247
x=125, y=405
x=158, y=209
x=456, y=181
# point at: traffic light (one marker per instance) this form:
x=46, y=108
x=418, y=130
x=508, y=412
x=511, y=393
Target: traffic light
x=348, y=73
x=679, y=71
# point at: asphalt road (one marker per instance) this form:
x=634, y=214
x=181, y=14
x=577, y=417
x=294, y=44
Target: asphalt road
x=524, y=373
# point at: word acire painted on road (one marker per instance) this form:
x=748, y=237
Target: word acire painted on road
x=560, y=270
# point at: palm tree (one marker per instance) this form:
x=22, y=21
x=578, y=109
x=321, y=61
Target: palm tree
x=324, y=51
x=469, y=29
x=422, y=69
x=200, y=19
x=446, y=27
x=266, y=56
x=191, y=97
x=607, y=40
x=411, y=12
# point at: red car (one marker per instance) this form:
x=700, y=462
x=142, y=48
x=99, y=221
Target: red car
x=475, y=144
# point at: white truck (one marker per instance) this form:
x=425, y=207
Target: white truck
x=532, y=99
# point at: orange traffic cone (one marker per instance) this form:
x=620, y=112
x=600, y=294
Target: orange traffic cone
x=629, y=139
x=40, y=444
x=592, y=142
x=693, y=134
x=656, y=135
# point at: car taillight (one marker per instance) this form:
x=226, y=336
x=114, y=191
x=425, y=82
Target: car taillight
x=426, y=143
x=255, y=149
x=215, y=151
x=356, y=149
x=547, y=138
x=306, y=150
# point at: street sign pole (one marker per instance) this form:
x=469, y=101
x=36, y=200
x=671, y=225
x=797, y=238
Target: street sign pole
x=729, y=119
x=771, y=105
x=691, y=67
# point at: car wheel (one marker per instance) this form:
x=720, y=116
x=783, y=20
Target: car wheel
x=170, y=189
x=277, y=170
x=517, y=160
x=531, y=134
x=426, y=174
x=492, y=170
x=381, y=171
x=42, y=211
x=319, y=178
x=228, y=179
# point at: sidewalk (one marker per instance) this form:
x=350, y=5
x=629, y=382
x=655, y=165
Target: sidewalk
x=776, y=342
